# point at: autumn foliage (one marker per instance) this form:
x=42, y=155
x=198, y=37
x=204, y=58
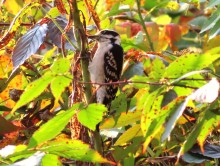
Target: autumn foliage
x=167, y=107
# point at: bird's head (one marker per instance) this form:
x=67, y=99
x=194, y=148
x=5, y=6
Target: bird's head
x=106, y=36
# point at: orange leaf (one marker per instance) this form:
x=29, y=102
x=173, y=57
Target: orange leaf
x=93, y=13
x=60, y=6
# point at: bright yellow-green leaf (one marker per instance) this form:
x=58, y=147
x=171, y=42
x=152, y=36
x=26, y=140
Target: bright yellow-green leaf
x=132, y=132
x=58, y=85
x=33, y=90
x=206, y=123
x=50, y=159
x=52, y=128
x=13, y=6
x=163, y=19
x=61, y=66
x=123, y=120
x=73, y=149
x=91, y=115
x=189, y=62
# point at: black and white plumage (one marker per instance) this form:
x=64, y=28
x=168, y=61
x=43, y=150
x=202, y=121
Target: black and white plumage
x=106, y=65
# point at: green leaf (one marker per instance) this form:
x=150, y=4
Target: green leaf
x=146, y=107
x=50, y=160
x=198, y=21
x=20, y=152
x=188, y=63
x=215, y=30
x=73, y=149
x=119, y=104
x=120, y=153
x=33, y=90
x=138, y=81
x=139, y=38
x=173, y=119
x=205, y=125
x=132, y=70
x=129, y=134
x=61, y=66
x=91, y=115
x=214, y=18
x=53, y=12
x=213, y=3
x=157, y=69
x=52, y=128
x=123, y=119
x=157, y=117
x=58, y=85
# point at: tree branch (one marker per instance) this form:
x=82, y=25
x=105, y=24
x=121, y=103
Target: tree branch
x=81, y=39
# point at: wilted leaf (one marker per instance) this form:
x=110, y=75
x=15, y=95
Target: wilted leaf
x=91, y=115
x=28, y=44
x=52, y=128
x=73, y=149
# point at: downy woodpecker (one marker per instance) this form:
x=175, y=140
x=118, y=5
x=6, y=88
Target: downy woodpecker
x=106, y=65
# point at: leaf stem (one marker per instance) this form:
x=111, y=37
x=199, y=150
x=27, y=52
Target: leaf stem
x=143, y=25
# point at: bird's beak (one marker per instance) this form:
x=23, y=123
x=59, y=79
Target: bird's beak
x=93, y=37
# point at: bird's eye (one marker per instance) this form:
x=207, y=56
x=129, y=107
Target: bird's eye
x=104, y=32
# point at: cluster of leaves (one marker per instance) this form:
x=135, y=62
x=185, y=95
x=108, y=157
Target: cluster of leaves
x=158, y=117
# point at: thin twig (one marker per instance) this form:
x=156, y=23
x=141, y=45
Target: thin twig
x=135, y=82
x=22, y=24
x=143, y=25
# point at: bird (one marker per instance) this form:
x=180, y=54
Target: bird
x=106, y=65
